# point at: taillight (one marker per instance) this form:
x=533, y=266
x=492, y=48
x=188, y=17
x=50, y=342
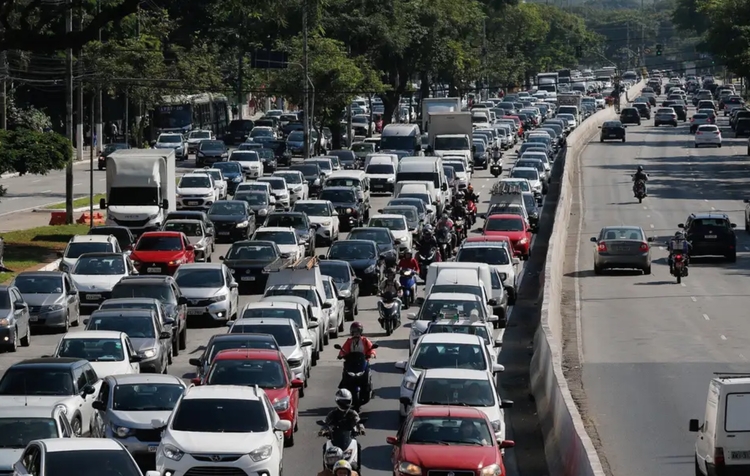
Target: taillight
x=717, y=132
x=644, y=246
x=698, y=133
x=602, y=248
x=678, y=257
x=692, y=119
x=719, y=457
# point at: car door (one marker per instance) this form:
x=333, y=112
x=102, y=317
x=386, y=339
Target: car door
x=30, y=462
x=355, y=283
x=189, y=250
x=181, y=308
x=273, y=417
x=233, y=291
x=64, y=425
x=100, y=420
x=135, y=367
x=334, y=218
x=20, y=312
x=72, y=299
x=91, y=379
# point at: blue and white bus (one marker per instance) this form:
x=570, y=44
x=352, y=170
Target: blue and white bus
x=184, y=113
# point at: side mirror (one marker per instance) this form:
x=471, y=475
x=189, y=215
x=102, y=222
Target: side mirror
x=733, y=225
x=492, y=302
x=497, y=368
x=321, y=256
x=306, y=343
x=168, y=322
x=391, y=440
x=85, y=322
x=681, y=225
x=135, y=358
x=694, y=426
x=650, y=239
x=593, y=239
x=195, y=362
x=506, y=444
x=516, y=261
x=600, y=127
x=165, y=335
x=506, y=404
x=401, y=365
x=89, y=390
x=97, y=405
x=102, y=204
x=406, y=401
x=357, y=280
x=72, y=292
x=234, y=286
x=380, y=210
x=375, y=346
x=195, y=381
x=282, y=425
x=327, y=305
x=498, y=342
x=494, y=317
x=412, y=316
x=59, y=254
x=297, y=383
x=313, y=325
x=337, y=346
x=190, y=248
x=182, y=301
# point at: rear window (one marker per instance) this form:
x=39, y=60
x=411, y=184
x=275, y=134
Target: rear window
x=703, y=223
x=737, y=414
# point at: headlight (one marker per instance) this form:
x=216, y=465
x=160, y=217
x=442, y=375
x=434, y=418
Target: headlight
x=522, y=241
x=61, y=408
x=497, y=425
x=221, y=298
x=281, y=405
x=148, y=353
x=370, y=269
x=491, y=470
x=224, y=155
x=409, y=468
x=53, y=307
x=391, y=179
x=172, y=452
x=345, y=293
x=237, y=179
x=263, y=212
x=410, y=384
x=4, y=322
x=121, y=431
x=316, y=182
x=262, y=453
x=326, y=223
x=349, y=210
x=304, y=238
x=243, y=224
x=208, y=195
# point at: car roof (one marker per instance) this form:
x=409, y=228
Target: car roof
x=281, y=302
x=262, y=321
x=249, y=354
x=90, y=238
x=49, y=362
x=94, y=335
x=447, y=296
x=447, y=411
x=216, y=266
x=26, y=411
x=467, y=374
x=143, y=379
x=57, y=445
x=221, y=392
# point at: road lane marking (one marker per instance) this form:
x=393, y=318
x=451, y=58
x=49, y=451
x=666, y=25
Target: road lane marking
x=723, y=337
x=77, y=184
x=36, y=181
x=713, y=208
x=705, y=316
x=683, y=285
x=652, y=226
x=693, y=298
x=45, y=191
x=705, y=200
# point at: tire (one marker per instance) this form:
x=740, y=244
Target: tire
x=175, y=348
x=183, y=339
x=696, y=146
x=77, y=322
x=77, y=426
x=512, y=297
x=13, y=346
x=388, y=327
x=623, y=139
x=325, y=337
x=289, y=442
x=647, y=270
x=597, y=270
x=26, y=340
x=698, y=468
x=679, y=278
x=732, y=257
x=640, y=199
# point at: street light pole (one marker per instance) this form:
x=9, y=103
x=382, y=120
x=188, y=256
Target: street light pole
x=306, y=93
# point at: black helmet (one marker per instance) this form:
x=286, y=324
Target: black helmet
x=640, y=168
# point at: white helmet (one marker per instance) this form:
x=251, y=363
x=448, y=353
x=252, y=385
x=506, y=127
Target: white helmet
x=342, y=464
x=343, y=399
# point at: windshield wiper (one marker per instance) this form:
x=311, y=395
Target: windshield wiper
x=457, y=442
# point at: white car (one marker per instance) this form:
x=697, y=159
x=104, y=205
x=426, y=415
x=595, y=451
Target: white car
x=708, y=134
x=279, y=189
x=210, y=290
x=173, y=141
x=196, y=191
x=219, y=181
x=109, y=352
x=42, y=455
x=194, y=139
x=458, y=325
x=318, y=308
x=530, y=174
x=468, y=388
x=295, y=183
x=324, y=216
x=285, y=238
x=81, y=244
x=441, y=351
x=570, y=119
x=313, y=322
x=95, y=274
x=235, y=427
x=397, y=225
x=497, y=255
x=336, y=311
x=250, y=161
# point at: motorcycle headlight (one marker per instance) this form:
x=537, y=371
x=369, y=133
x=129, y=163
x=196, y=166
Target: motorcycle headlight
x=243, y=224
x=172, y=452
x=281, y=405
x=261, y=454
x=121, y=431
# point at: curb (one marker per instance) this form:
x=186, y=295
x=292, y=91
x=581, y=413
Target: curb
x=75, y=210
x=50, y=267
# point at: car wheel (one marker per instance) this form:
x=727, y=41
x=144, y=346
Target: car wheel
x=597, y=270
x=623, y=139
x=77, y=426
x=175, y=348
x=732, y=257
x=13, y=346
x=647, y=270
x=26, y=340
x=183, y=339
x=325, y=338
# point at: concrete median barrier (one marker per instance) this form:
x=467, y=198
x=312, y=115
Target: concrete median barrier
x=568, y=448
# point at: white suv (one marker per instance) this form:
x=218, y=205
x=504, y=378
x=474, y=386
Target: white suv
x=81, y=244
x=196, y=191
x=220, y=428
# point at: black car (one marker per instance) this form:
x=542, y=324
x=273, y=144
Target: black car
x=612, y=130
x=681, y=111
x=711, y=234
x=292, y=126
x=480, y=154
x=283, y=157
x=220, y=342
x=381, y=236
x=258, y=202
x=643, y=109
x=304, y=230
x=239, y=130
x=347, y=158
x=247, y=259
x=350, y=209
x=268, y=158
x=107, y=151
x=233, y=220
x=532, y=208
x=630, y=115
x=346, y=281
x=313, y=175
x=742, y=127
x=122, y=234
x=210, y=152
x=192, y=215
x=233, y=174
x=165, y=289
x=363, y=257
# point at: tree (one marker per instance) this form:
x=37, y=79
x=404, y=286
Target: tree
x=728, y=36
x=26, y=151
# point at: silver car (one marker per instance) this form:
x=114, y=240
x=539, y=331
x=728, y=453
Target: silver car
x=52, y=298
x=622, y=247
x=198, y=236
x=33, y=423
x=14, y=319
x=210, y=290
x=127, y=406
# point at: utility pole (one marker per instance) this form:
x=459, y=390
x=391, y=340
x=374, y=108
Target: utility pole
x=69, y=131
x=99, y=107
x=4, y=98
x=627, y=45
x=643, y=36
x=306, y=90
x=240, y=80
x=485, y=75
x=92, y=115
x=81, y=113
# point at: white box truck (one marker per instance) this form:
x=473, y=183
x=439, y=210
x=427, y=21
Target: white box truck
x=450, y=134
x=433, y=105
x=140, y=188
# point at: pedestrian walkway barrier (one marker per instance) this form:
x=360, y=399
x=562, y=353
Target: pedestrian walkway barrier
x=57, y=218
x=86, y=219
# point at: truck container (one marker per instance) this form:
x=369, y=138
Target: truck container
x=450, y=134
x=569, y=99
x=432, y=105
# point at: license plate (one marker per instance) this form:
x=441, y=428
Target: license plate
x=247, y=278
x=375, y=187
x=153, y=270
x=710, y=236
x=740, y=454
x=33, y=318
x=613, y=135
x=93, y=297
x=193, y=202
x=152, y=449
x=196, y=311
x=223, y=233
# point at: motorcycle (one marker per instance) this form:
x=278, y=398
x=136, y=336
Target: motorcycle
x=679, y=267
x=408, y=283
x=341, y=444
x=639, y=189
x=471, y=209
x=444, y=239
x=458, y=227
x=496, y=169
x=389, y=315
x=354, y=375
x=425, y=262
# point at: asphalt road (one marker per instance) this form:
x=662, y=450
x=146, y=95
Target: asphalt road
x=649, y=344
x=382, y=412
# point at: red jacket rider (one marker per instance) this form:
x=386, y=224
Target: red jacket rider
x=409, y=262
x=357, y=343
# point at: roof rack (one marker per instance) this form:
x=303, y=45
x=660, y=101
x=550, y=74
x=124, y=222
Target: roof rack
x=306, y=263
x=506, y=188
x=732, y=374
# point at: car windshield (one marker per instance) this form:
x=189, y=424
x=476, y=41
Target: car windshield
x=612, y=125
x=378, y=236
x=410, y=214
x=93, y=350
x=136, y=327
x=417, y=203
x=395, y=224
x=252, y=198
x=308, y=169
x=189, y=228
x=287, y=220
x=622, y=234
x=31, y=284
x=159, y=243
x=16, y=433
x=284, y=334
x=291, y=178
x=423, y=197
x=110, y=462
x=245, y=156
x=324, y=165
x=313, y=209
x=296, y=136
x=339, y=272
x=530, y=163
x=274, y=313
x=261, y=132
x=480, y=331
x=449, y=430
x=251, y=343
x=146, y=397
x=706, y=223
x=99, y=265
x=212, y=145
x=109, y=148
x=493, y=256
x=445, y=309
x=252, y=252
x=479, y=145
x=199, y=277
x=351, y=251
x=342, y=182
x=162, y=293
x=228, y=208
x=278, y=237
x=122, y=235
x=170, y=139
x=306, y=293
x=457, y=166
x=263, y=373
x=276, y=184
x=216, y=174
x=525, y=173
x=459, y=391
x=380, y=169
x=41, y=381
x=228, y=167
x=75, y=250
x=338, y=196
x=195, y=181
x=200, y=135
x=220, y=415
x=430, y=355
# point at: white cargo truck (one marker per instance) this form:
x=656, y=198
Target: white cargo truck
x=433, y=105
x=450, y=134
x=140, y=188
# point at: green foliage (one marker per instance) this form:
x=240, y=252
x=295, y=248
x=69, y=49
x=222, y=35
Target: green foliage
x=728, y=34
x=26, y=117
x=26, y=151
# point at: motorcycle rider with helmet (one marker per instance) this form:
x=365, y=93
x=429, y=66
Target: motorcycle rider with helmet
x=358, y=343
x=678, y=244
x=408, y=261
x=341, y=468
x=445, y=222
x=341, y=418
x=640, y=176
x=427, y=242
x=470, y=196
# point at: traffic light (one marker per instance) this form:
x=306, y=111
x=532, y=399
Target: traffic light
x=579, y=51
x=658, y=50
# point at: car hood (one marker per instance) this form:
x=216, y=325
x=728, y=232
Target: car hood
x=136, y=419
x=213, y=152
x=197, y=240
x=345, y=205
x=196, y=442
x=96, y=282
x=42, y=299
x=513, y=235
x=194, y=191
x=294, y=143
x=285, y=249
x=200, y=293
x=359, y=263
x=8, y=457
x=320, y=220
x=195, y=141
x=456, y=457
x=156, y=256
x=248, y=263
x=227, y=218
x=104, y=369
x=141, y=344
x=291, y=351
x=167, y=146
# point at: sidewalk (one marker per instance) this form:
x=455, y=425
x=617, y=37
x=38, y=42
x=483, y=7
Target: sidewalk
x=34, y=219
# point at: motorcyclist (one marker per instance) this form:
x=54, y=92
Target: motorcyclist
x=496, y=154
x=360, y=344
x=640, y=176
x=408, y=261
x=343, y=468
x=343, y=417
x=678, y=244
x=470, y=195
x=445, y=222
x=427, y=242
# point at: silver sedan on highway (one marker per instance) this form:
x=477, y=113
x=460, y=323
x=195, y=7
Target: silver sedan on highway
x=622, y=247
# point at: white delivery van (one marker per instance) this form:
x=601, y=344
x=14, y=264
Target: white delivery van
x=425, y=168
x=723, y=442
x=381, y=172
x=393, y=158
x=480, y=272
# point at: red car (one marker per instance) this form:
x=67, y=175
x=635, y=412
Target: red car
x=446, y=439
x=512, y=226
x=494, y=238
x=265, y=368
x=162, y=252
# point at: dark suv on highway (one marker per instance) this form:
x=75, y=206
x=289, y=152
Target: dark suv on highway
x=711, y=234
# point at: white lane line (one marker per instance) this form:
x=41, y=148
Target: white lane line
x=713, y=208
x=743, y=357
x=693, y=298
x=648, y=216
x=102, y=180
x=723, y=337
x=45, y=191
x=705, y=316
x=36, y=181
x=705, y=200
x=77, y=184
x=645, y=208
x=652, y=226
x=683, y=285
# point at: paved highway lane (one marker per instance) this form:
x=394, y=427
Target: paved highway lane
x=382, y=412
x=649, y=344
